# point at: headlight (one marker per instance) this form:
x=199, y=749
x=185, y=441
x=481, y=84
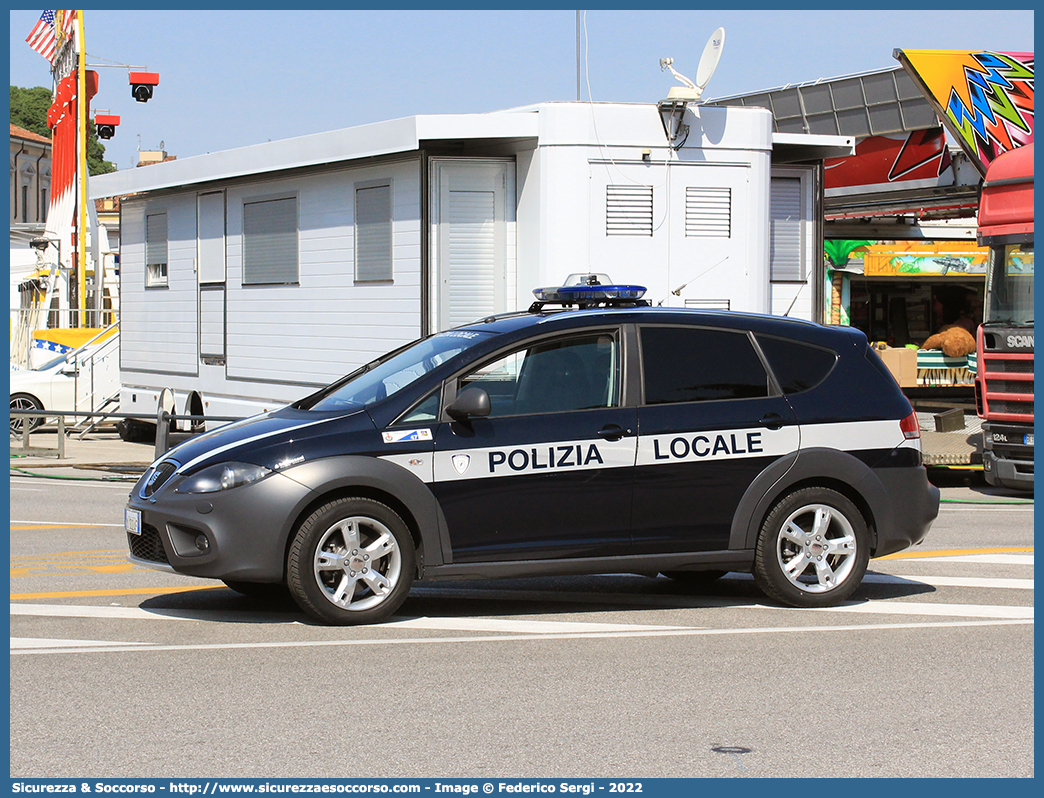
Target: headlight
x=222, y=477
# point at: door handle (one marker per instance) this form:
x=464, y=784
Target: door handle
x=613, y=432
x=772, y=421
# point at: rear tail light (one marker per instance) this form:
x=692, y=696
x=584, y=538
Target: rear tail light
x=910, y=427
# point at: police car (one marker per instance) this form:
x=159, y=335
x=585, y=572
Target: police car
x=591, y=434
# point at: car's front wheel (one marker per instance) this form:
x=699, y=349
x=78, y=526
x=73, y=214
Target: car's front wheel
x=352, y=561
x=813, y=549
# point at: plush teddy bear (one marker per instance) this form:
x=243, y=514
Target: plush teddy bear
x=953, y=340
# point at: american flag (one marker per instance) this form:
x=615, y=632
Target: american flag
x=41, y=37
x=68, y=23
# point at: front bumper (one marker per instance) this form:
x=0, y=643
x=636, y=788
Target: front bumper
x=244, y=530
x=1007, y=456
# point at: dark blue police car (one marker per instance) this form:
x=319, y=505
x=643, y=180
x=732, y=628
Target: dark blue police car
x=608, y=438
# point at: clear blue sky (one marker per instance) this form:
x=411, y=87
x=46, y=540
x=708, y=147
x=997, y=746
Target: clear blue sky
x=233, y=78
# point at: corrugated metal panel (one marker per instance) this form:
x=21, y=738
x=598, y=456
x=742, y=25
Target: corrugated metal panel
x=472, y=262
x=785, y=238
x=875, y=103
x=270, y=242
x=373, y=234
x=628, y=210
x=708, y=211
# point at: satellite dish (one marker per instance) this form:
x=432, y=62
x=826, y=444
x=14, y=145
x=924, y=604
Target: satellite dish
x=704, y=72
x=709, y=59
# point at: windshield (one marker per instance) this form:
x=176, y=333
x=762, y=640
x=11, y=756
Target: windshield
x=52, y=363
x=389, y=375
x=1010, y=288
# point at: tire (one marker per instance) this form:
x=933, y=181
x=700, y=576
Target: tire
x=24, y=401
x=695, y=579
x=352, y=561
x=133, y=431
x=812, y=550
x=258, y=590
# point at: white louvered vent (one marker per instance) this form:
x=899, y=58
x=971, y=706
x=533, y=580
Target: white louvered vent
x=785, y=237
x=628, y=210
x=708, y=211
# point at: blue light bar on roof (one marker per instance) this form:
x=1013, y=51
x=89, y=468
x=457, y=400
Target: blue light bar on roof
x=571, y=294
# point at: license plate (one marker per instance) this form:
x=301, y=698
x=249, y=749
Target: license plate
x=132, y=520
x=1028, y=439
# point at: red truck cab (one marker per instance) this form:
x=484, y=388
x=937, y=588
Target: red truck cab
x=1004, y=377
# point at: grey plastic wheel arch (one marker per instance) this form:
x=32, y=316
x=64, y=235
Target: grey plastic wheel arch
x=372, y=477
x=820, y=467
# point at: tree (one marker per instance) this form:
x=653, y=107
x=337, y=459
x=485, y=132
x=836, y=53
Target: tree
x=29, y=110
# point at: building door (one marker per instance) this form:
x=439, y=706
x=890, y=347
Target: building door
x=473, y=226
x=210, y=270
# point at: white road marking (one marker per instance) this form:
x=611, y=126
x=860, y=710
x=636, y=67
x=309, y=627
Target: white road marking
x=20, y=643
x=950, y=581
x=522, y=627
x=512, y=638
x=932, y=608
x=984, y=559
x=139, y=614
x=79, y=482
x=443, y=624
x=1011, y=507
x=886, y=607
x=935, y=581
x=63, y=523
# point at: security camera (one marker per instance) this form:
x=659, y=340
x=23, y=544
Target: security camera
x=142, y=84
x=106, y=125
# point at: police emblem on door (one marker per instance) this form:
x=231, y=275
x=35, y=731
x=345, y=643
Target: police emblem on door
x=461, y=462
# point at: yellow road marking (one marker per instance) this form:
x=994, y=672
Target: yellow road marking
x=101, y=593
x=70, y=553
x=909, y=555
x=119, y=568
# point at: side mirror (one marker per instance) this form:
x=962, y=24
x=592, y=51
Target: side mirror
x=70, y=368
x=471, y=402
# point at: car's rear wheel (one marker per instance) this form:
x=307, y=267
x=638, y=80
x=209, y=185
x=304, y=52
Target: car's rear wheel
x=352, y=561
x=23, y=401
x=813, y=549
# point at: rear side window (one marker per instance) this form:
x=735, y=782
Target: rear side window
x=798, y=367
x=687, y=364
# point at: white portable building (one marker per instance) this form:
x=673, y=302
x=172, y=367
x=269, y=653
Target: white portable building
x=252, y=276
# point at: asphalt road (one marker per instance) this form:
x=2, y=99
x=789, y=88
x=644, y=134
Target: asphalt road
x=118, y=671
